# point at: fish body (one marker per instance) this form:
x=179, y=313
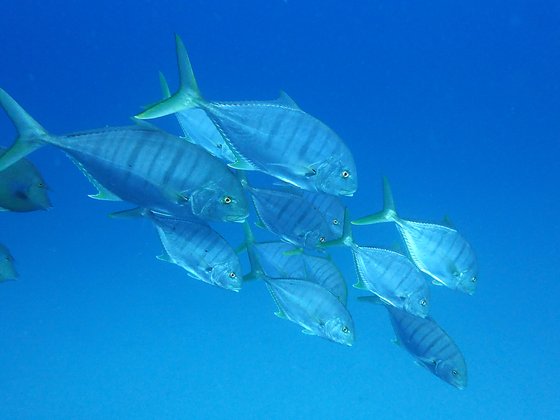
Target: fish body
x=291, y=217
x=279, y=261
x=314, y=308
x=275, y=137
x=142, y=165
x=393, y=278
x=442, y=253
x=439, y=251
x=22, y=188
x=430, y=345
x=195, y=247
x=7, y=268
x=200, y=129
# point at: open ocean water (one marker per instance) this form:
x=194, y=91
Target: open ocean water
x=457, y=103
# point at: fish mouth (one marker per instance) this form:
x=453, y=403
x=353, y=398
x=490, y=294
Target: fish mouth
x=237, y=218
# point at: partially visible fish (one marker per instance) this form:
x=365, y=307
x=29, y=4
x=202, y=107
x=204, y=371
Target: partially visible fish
x=430, y=345
x=393, y=278
x=22, y=188
x=291, y=217
x=142, y=165
x=195, y=247
x=439, y=251
x=200, y=129
x=276, y=138
x=314, y=308
x=279, y=260
x=7, y=269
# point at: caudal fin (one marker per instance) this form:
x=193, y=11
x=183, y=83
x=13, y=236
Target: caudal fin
x=188, y=95
x=388, y=214
x=31, y=135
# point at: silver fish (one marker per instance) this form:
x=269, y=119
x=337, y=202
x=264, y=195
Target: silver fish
x=22, y=187
x=7, y=269
x=439, y=251
x=330, y=206
x=142, y=165
x=314, y=308
x=430, y=345
x=393, y=278
x=200, y=129
x=276, y=138
x=279, y=260
x=291, y=217
x=195, y=247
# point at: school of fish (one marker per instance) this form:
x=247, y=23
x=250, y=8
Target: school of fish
x=182, y=184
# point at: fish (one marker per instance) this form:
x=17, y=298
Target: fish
x=139, y=164
x=279, y=260
x=275, y=137
x=291, y=217
x=330, y=206
x=312, y=307
x=437, y=250
x=195, y=247
x=393, y=278
x=199, y=129
x=430, y=345
x=7, y=268
x=22, y=188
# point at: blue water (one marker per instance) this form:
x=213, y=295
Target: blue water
x=458, y=104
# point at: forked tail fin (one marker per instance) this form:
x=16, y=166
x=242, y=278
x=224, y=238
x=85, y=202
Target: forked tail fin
x=388, y=214
x=188, y=95
x=31, y=135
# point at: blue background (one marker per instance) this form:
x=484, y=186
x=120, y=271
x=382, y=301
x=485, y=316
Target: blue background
x=457, y=103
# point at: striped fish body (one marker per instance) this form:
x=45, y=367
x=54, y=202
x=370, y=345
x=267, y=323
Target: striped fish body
x=330, y=206
x=319, y=270
x=155, y=170
x=286, y=143
x=393, y=278
x=442, y=253
x=323, y=271
x=22, y=188
x=200, y=250
x=199, y=129
x=7, y=268
x=430, y=345
x=314, y=308
x=275, y=262
x=291, y=217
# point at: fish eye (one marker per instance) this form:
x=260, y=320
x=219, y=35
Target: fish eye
x=423, y=302
x=345, y=329
x=454, y=372
x=335, y=222
x=473, y=279
x=227, y=199
x=345, y=174
x=232, y=275
x=322, y=239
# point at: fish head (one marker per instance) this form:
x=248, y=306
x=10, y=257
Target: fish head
x=454, y=372
x=340, y=331
x=227, y=275
x=336, y=177
x=214, y=202
x=37, y=195
x=466, y=280
x=418, y=303
x=7, y=269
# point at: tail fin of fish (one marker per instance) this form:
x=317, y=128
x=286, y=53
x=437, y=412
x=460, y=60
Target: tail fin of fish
x=188, y=95
x=31, y=135
x=388, y=214
x=256, y=267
